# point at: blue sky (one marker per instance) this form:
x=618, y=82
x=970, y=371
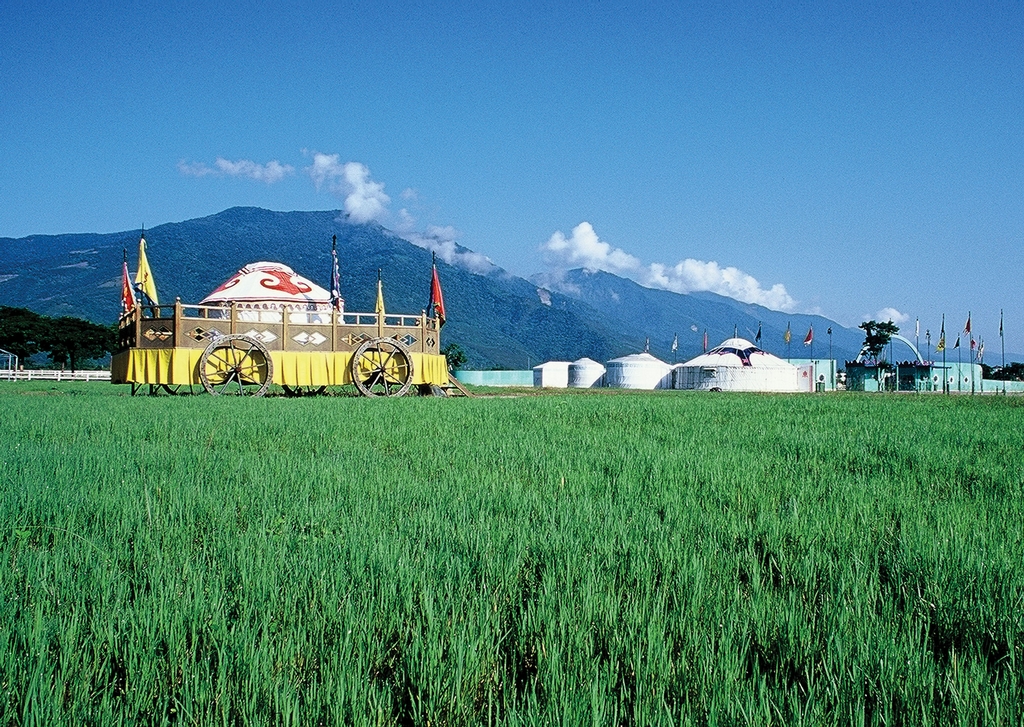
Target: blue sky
x=835, y=158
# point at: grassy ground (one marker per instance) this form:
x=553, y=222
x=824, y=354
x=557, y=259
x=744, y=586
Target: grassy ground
x=642, y=558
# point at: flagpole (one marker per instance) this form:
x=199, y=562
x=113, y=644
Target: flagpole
x=942, y=337
x=981, y=363
x=972, y=356
x=379, y=306
x=1002, y=346
x=970, y=340
x=959, y=377
x=336, y=300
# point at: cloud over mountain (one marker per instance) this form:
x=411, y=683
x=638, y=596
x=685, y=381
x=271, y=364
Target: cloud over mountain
x=272, y=171
x=585, y=249
x=364, y=199
x=442, y=240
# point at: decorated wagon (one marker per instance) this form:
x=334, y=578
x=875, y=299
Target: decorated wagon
x=267, y=324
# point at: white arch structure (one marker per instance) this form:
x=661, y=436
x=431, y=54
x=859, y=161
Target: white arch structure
x=898, y=337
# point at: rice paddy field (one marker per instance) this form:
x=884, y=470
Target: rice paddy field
x=570, y=559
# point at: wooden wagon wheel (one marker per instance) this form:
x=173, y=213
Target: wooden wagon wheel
x=236, y=364
x=382, y=367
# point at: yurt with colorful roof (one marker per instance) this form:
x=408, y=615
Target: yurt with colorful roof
x=736, y=365
x=266, y=291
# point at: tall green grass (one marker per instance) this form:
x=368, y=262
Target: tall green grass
x=661, y=558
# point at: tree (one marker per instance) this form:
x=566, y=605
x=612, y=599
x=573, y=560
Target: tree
x=69, y=340
x=877, y=336
x=455, y=355
x=21, y=331
x=1012, y=372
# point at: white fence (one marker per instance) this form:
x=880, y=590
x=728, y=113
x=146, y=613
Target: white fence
x=53, y=375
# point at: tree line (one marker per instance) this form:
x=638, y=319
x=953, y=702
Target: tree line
x=68, y=341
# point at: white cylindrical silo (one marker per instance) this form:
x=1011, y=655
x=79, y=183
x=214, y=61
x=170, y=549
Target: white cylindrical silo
x=585, y=373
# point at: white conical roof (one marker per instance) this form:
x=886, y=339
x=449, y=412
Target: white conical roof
x=638, y=359
x=268, y=282
x=738, y=352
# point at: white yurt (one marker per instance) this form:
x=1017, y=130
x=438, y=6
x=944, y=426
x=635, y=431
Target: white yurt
x=553, y=375
x=736, y=365
x=264, y=291
x=638, y=371
x=585, y=373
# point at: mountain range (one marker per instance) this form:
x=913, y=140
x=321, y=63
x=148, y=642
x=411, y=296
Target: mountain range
x=500, y=320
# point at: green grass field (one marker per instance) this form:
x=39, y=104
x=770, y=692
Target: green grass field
x=633, y=558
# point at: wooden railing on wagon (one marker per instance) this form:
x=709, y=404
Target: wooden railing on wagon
x=195, y=326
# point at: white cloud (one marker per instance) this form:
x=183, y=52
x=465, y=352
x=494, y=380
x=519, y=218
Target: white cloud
x=325, y=168
x=272, y=171
x=364, y=199
x=441, y=240
x=890, y=314
x=585, y=249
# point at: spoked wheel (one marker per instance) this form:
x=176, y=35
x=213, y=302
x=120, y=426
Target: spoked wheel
x=303, y=390
x=382, y=367
x=236, y=364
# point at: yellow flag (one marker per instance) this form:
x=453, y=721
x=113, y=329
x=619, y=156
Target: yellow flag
x=379, y=310
x=144, y=276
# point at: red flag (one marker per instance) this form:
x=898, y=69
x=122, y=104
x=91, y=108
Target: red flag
x=436, y=308
x=127, y=292
x=810, y=336
x=967, y=328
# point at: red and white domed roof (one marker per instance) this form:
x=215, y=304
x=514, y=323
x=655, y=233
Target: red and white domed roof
x=739, y=352
x=268, y=282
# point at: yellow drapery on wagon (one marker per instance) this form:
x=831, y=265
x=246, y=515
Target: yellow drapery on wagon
x=268, y=324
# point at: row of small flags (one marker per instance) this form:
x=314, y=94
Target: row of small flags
x=143, y=289
x=787, y=337
x=977, y=347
